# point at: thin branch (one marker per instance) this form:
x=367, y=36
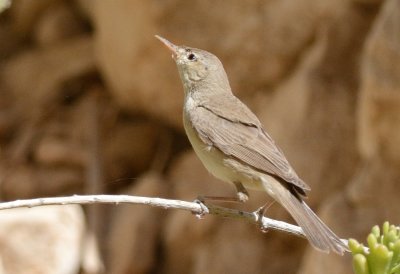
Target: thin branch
x=196, y=208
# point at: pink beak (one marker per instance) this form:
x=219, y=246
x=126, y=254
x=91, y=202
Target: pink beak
x=169, y=45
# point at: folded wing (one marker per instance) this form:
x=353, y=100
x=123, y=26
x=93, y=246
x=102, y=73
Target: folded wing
x=237, y=132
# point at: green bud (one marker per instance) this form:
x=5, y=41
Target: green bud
x=355, y=246
x=383, y=253
x=376, y=231
x=386, y=227
x=372, y=241
x=395, y=248
x=379, y=259
x=360, y=265
x=390, y=237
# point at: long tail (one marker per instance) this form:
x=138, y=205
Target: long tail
x=318, y=234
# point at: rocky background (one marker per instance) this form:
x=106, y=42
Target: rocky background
x=91, y=103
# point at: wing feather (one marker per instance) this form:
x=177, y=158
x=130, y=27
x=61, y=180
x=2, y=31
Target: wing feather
x=238, y=132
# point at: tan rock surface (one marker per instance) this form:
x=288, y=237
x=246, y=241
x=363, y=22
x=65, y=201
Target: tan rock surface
x=25, y=182
x=323, y=76
x=57, y=23
x=372, y=192
x=133, y=242
x=212, y=244
x=48, y=69
x=26, y=13
x=341, y=216
x=275, y=34
x=41, y=240
x=312, y=113
x=379, y=112
x=131, y=146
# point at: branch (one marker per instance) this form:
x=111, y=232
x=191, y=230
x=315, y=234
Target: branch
x=196, y=208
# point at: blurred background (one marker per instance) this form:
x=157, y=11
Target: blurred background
x=91, y=103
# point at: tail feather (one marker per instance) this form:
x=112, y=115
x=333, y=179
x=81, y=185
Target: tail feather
x=318, y=234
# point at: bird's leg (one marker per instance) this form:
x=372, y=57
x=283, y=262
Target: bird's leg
x=241, y=196
x=241, y=192
x=260, y=213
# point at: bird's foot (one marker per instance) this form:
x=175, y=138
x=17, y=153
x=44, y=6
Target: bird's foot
x=260, y=212
x=242, y=197
x=241, y=192
x=204, y=208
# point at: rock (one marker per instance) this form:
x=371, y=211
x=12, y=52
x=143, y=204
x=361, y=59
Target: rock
x=41, y=240
x=364, y=205
x=369, y=2
x=190, y=179
x=379, y=109
x=35, y=76
x=86, y=8
x=183, y=233
x=91, y=258
x=371, y=198
x=52, y=151
x=367, y=194
x=64, y=140
x=312, y=114
x=130, y=146
x=10, y=41
x=7, y=122
x=25, y=14
x=19, y=183
x=57, y=24
x=315, y=262
x=59, y=181
x=135, y=229
x=134, y=64
x=143, y=78
x=29, y=181
x=373, y=186
x=213, y=244
x=219, y=251
x=321, y=75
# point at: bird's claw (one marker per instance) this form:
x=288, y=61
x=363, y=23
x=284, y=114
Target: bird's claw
x=260, y=214
x=204, y=209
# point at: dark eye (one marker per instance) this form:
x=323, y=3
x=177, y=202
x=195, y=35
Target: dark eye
x=191, y=57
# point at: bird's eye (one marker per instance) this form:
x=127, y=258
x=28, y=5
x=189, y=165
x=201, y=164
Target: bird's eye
x=191, y=57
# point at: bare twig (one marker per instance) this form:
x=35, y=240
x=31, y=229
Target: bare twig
x=194, y=207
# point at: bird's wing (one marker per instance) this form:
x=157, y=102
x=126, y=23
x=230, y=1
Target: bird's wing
x=236, y=131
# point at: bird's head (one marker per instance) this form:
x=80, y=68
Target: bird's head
x=196, y=67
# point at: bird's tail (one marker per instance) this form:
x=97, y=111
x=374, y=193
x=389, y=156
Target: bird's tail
x=318, y=234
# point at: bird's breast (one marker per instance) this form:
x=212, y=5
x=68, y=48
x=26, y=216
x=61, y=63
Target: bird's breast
x=212, y=158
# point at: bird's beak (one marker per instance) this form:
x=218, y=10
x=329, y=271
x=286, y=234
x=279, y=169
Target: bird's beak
x=169, y=45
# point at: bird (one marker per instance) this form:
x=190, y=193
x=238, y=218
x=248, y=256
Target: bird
x=233, y=145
